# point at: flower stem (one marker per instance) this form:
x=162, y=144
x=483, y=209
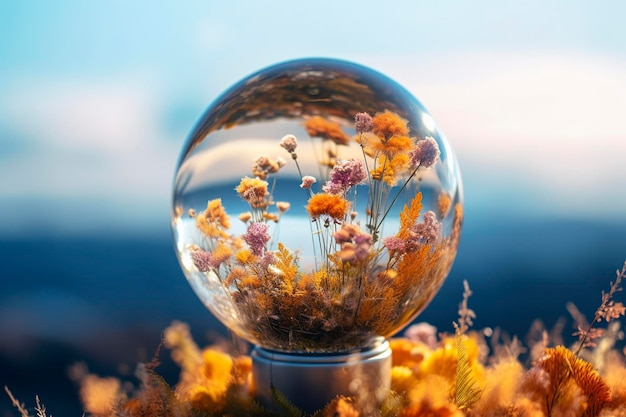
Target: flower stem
x=396, y=198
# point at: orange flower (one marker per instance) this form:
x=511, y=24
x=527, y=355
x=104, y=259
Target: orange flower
x=221, y=253
x=213, y=219
x=388, y=124
x=318, y=127
x=250, y=281
x=244, y=256
x=244, y=217
x=407, y=353
x=327, y=204
x=253, y=190
x=341, y=407
x=398, y=144
x=402, y=379
x=208, y=391
x=444, y=202
x=430, y=398
x=216, y=366
x=242, y=369
x=99, y=395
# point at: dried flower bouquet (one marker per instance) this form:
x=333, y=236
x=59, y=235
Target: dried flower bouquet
x=361, y=286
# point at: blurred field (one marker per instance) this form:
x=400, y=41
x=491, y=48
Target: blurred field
x=106, y=301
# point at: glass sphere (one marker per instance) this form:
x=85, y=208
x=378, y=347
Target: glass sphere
x=316, y=207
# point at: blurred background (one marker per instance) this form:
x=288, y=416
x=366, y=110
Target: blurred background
x=96, y=99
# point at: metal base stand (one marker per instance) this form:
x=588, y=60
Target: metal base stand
x=312, y=381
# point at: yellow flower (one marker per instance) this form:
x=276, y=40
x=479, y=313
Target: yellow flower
x=253, y=191
x=390, y=170
x=243, y=256
x=216, y=366
x=208, y=397
x=443, y=360
x=397, y=167
x=402, y=379
x=430, y=398
x=213, y=220
x=207, y=390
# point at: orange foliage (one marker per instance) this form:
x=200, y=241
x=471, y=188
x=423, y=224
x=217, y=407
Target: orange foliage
x=318, y=127
x=288, y=269
x=568, y=372
x=409, y=216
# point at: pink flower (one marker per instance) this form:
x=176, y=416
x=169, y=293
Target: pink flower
x=346, y=233
x=355, y=245
x=426, y=153
x=422, y=332
x=257, y=237
x=363, y=122
x=268, y=259
x=202, y=260
x=289, y=142
x=345, y=174
x=394, y=244
x=425, y=233
x=307, y=181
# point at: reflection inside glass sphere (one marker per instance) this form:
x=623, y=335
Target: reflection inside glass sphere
x=316, y=207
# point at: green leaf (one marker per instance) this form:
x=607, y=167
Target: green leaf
x=289, y=410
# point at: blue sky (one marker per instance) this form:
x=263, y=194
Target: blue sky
x=96, y=98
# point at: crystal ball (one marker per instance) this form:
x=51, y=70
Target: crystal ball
x=316, y=207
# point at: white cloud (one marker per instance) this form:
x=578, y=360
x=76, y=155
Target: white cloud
x=92, y=142
x=88, y=137
x=550, y=125
x=551, y=122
